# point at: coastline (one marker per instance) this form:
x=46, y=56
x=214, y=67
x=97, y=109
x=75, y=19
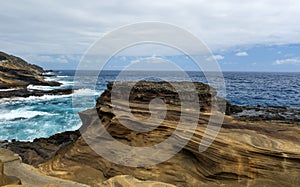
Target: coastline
x=257, y=145
x=19, y=78
x=253, y=140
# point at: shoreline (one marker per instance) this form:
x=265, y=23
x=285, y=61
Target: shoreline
x=281, y=114
x=252, y=137
x=269, y=139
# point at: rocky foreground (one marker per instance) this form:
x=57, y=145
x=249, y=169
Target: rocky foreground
x=246, y=151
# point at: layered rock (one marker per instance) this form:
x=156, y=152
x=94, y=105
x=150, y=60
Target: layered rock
x=15, y=72
x=244, y=153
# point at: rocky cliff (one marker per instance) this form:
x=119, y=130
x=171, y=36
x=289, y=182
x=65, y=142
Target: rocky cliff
x=15, y=72
x=246, y=152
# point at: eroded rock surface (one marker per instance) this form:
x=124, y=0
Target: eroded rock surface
x=244, y=153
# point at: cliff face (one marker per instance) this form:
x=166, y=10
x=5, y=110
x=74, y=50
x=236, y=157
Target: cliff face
x=15, y=72
x=245, y=153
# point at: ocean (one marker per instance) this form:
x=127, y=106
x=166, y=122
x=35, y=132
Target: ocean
x=25, y=119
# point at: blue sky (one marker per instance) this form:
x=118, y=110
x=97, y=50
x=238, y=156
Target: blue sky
x=266, y=58
x=243, y=35
x=280, y=58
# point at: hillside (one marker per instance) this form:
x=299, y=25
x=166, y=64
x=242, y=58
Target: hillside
x=16, y=72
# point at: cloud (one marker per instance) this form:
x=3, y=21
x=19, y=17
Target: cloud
x=152, y=63
x=241, y=54
x=64, y=27
x=150, y=60
x=292, y=61
x=47, y=58
x=215, y=57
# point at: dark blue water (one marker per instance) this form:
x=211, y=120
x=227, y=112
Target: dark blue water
x=242, y=88
x=34, y=117
x=265, y=89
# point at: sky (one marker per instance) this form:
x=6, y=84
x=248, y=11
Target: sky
x=261, y=35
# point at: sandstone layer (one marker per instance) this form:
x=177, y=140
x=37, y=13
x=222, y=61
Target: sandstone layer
x=244, y=153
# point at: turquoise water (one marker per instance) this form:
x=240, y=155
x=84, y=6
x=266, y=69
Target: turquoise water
x=34, y=117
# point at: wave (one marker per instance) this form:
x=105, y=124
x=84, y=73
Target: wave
x=50, y=79
x=86, y=91
x=75, y=127
x=9, y=89
x=22, y=113
x=29, y=134
x=62, y=76
x=47, y=88
x=66, y=83
x=36, y=87
x=79, y=92
x=48, y=73
x=32, y=98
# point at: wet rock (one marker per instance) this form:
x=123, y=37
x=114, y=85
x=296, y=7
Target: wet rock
x=270, y=113
x=28, y=93
x=42, y=149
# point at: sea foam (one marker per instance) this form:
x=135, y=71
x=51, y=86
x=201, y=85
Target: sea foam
x=22, y=113
x=32, y=98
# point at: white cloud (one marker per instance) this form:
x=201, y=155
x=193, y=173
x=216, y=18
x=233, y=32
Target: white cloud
x=288, y=61
x=150, y=60
x=215, y=57
x=62, y=27
x=42, y=59
x=152, y=63
x=241, y=54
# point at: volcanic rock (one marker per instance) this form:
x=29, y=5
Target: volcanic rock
x=41, y=149
x=244, y=153
x=261, y=152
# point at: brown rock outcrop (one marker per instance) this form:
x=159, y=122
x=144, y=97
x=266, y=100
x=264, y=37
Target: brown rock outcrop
x=245, y=153
x=15, y=72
